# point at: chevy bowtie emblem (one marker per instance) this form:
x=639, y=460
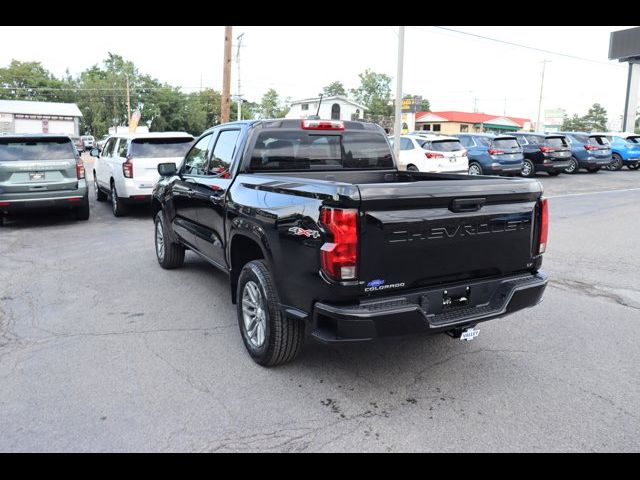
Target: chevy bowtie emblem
x=304, y=233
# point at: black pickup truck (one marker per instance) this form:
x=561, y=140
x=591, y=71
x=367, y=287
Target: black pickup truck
x=321, y=234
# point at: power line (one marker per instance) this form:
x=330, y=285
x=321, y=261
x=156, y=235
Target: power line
x=513, y=44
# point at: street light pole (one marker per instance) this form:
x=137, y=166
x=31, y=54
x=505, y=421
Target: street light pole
x=398, y=112
x=239, y=95
x=544, y=64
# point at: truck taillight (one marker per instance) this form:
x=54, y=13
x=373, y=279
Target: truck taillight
x=493, y=151
x=127, y=169
x=80, y=173
x=544, y=225
x=339, y=255
x=434, y=155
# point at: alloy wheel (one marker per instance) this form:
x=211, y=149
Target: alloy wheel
x=254, y=314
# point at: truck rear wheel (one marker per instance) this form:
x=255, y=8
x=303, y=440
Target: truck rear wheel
x=271, y=338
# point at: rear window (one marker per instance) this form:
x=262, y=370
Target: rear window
x=506, y=143
x=443, y=146
x=21, y=149
x=555, y=142
x=534, y=139
x=301, y=150
x=160, y=147
x=598, y=140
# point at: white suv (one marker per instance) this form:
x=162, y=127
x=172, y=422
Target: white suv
x=432, y=153
x=127, y=168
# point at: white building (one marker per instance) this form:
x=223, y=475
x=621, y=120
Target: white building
x=334, y=108
x=21, y=116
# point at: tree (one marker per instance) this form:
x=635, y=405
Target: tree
x=271, y=106
x=573, y=124
x=374, y=92
x=596, y=118
x=31, y=81
x=334, y=88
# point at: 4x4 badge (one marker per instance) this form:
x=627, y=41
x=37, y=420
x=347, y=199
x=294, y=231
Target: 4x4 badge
x=304, y=233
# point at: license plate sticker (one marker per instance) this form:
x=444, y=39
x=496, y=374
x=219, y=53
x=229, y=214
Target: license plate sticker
x=36, y=176
x=469, y=334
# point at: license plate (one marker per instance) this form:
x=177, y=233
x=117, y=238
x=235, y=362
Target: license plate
x=469, y=334
x=604, y=152
x=36, y=176
x=562, y=154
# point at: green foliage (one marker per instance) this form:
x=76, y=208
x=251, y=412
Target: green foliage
x=595, y=120
x=374, y=93
x=333, y=89
x=271, y=106
x=101, y=94
x=31, y=81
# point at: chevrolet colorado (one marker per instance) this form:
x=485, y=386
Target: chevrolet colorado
x=321, y=234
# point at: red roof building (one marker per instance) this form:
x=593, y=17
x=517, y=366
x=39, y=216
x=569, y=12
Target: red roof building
x=451, y=122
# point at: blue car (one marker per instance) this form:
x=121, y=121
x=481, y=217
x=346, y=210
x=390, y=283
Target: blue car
x=590, y=151
x=625, y=148
x=491, y=154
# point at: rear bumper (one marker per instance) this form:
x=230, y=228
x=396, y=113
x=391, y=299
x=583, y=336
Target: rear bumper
x=505, y=169
x=71, y=200
x=591, y=162
x=130, y=190
x=422, y=310
x=555, y=166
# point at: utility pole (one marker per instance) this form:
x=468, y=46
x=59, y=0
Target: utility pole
x=239, y=94
x=397, y=129
x=226, y=77
x=128, y=101
x=544, y=65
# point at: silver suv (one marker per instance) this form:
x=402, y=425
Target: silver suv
x=39, y=171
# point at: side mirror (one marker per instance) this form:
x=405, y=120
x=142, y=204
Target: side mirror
x=167, y=169
x=94, y=152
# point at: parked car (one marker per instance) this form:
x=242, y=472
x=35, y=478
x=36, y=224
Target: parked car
x=78, y=144
x=100, y=143
x=625, y=150
x=320, y=233
x=127, y=169
x=491, y=154
x=432, y=153
x=543, y=153
x=590, y=151
x=38, y=171
x=87, y=142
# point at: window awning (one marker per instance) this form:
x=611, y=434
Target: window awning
x=498, y=126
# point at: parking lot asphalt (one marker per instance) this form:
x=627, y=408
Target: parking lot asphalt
x=102, y=350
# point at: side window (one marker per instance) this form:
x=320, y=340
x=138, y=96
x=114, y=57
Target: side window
x=406, y=144
x=222, y=157
x=122, y=147
x=196, y=159
x=109, y=147
x=466, y=141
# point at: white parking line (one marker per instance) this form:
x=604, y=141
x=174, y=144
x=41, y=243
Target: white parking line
x=595, y=193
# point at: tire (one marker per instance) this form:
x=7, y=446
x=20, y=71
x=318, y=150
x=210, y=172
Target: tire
x=276, y=339
x=475, y=168
x=169, y=254
x=100, y=195
x=573, y=167
x=118, y=208
x=82, y=212
x=554, y=173
x=593, y=170
x=616, y=163
x=412, y=168
x=528, y=169
x=633, y=166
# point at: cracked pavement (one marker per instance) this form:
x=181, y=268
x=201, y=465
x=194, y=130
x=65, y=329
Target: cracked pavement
x=102, y=350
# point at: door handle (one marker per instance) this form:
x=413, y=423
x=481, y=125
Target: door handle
x=467, y=204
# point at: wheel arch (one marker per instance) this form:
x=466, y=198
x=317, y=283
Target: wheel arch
x=243, y=248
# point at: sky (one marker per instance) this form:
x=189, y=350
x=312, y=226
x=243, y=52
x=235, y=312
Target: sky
x=454, y=71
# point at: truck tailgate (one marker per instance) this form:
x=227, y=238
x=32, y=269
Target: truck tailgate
x=426, y=233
